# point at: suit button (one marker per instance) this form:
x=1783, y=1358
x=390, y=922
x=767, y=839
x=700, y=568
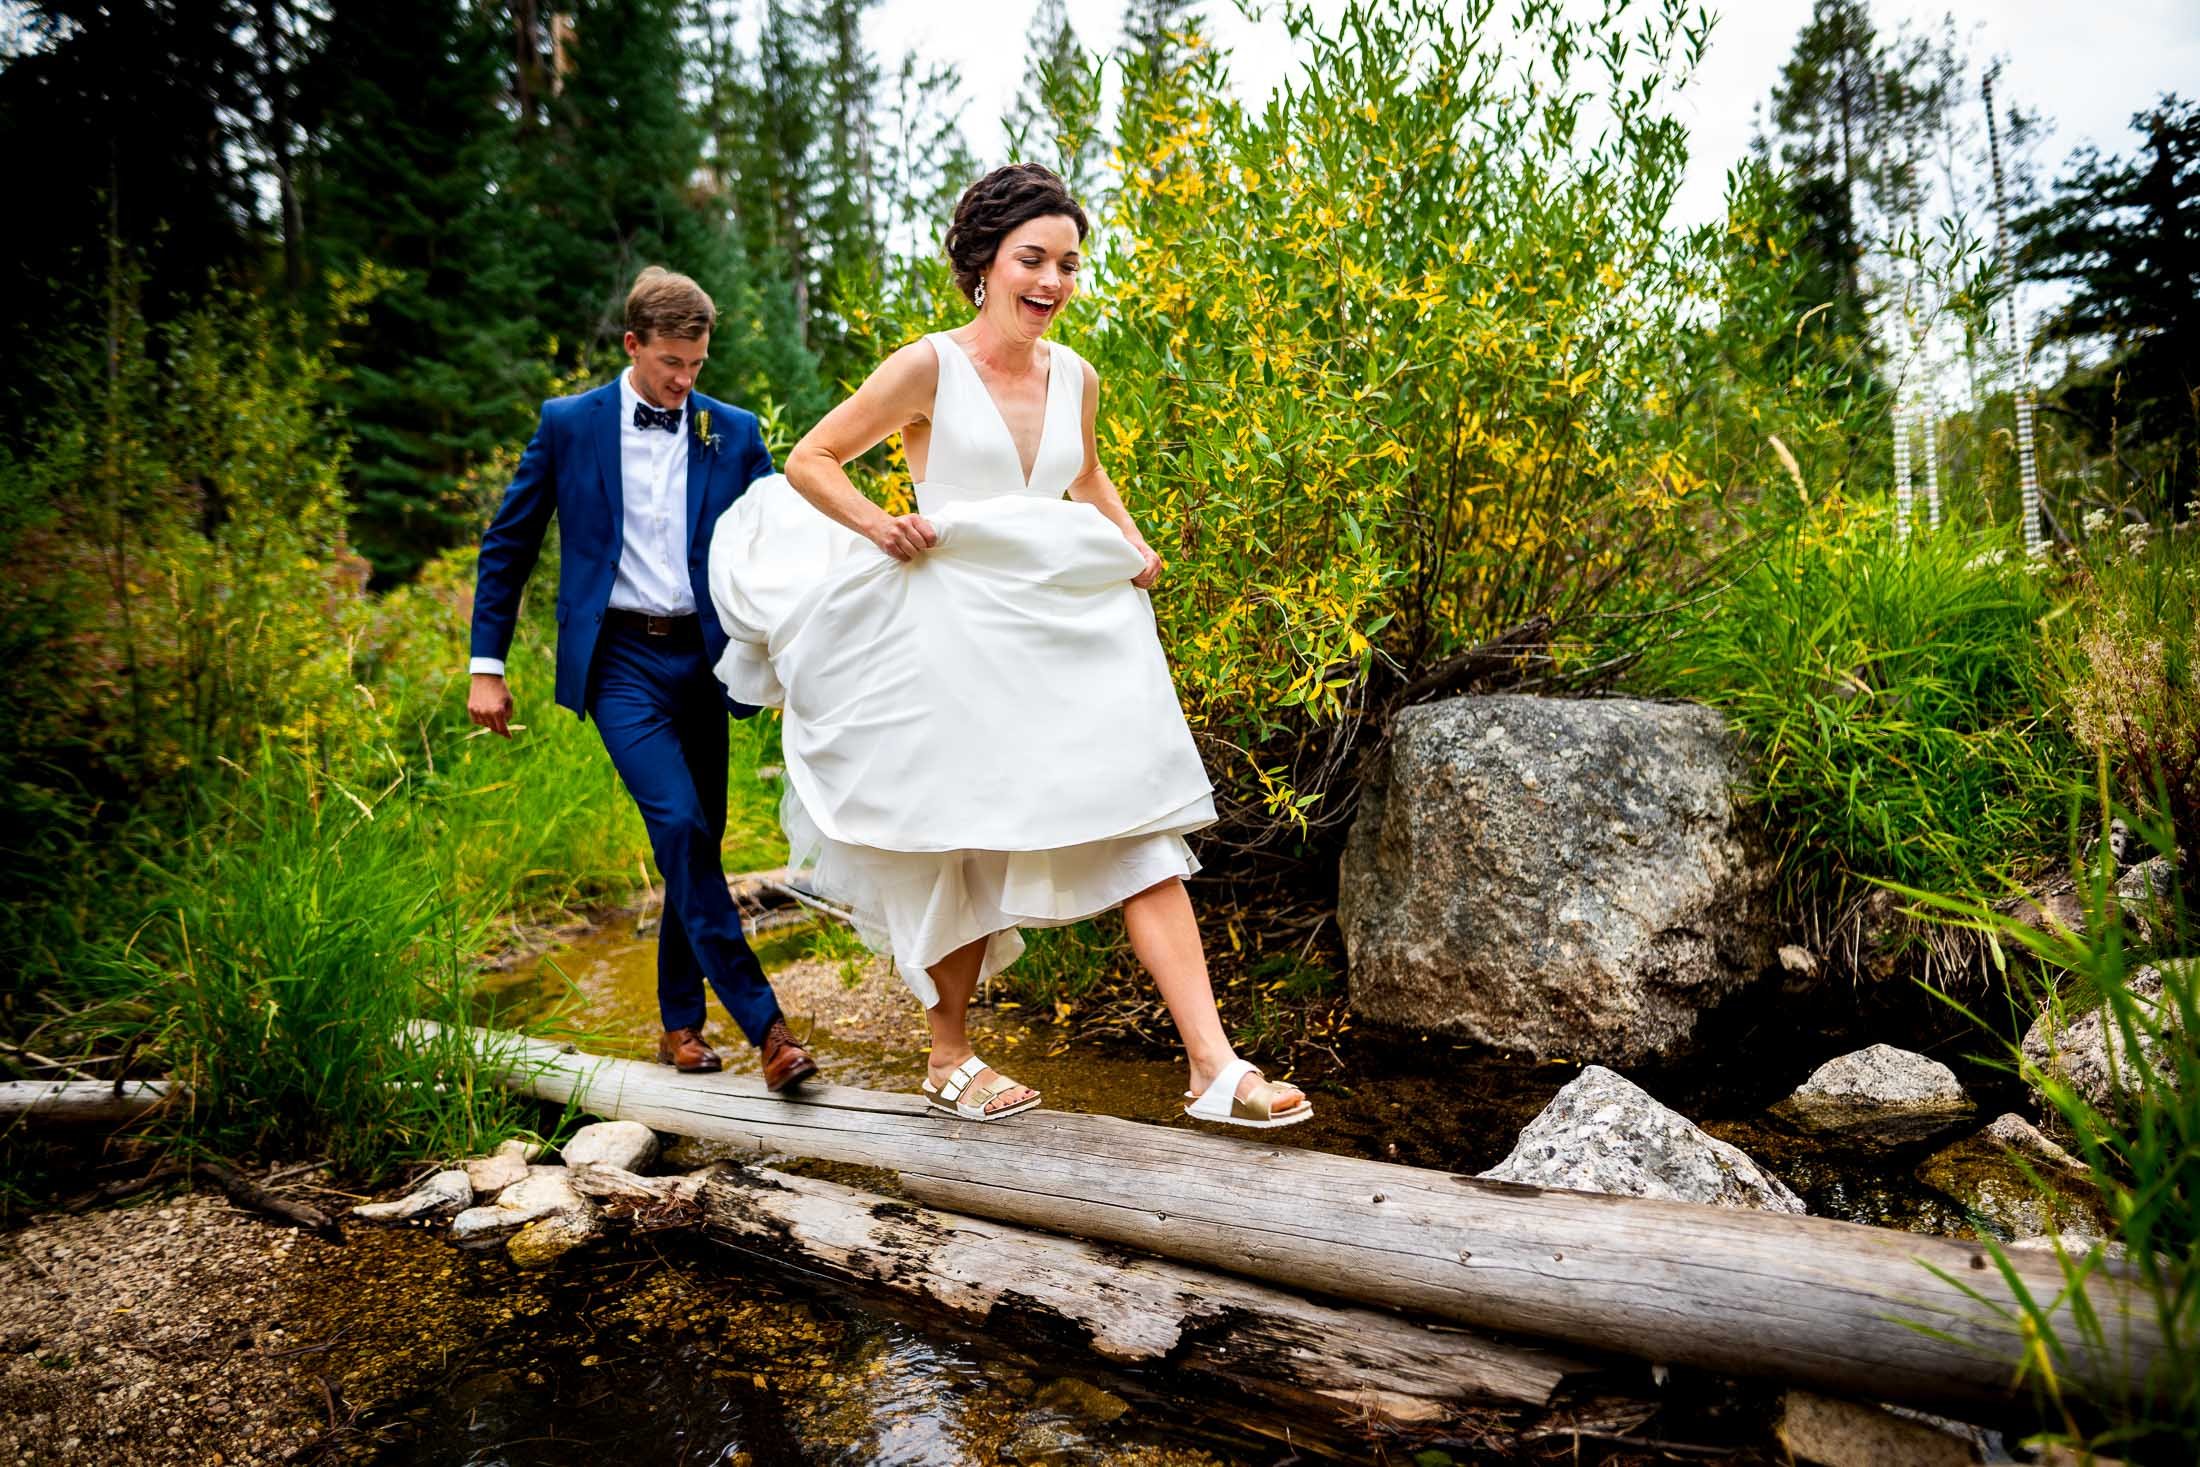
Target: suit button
x=599, y=617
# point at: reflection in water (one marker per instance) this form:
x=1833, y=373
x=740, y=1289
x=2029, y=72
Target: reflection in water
x=694, y=1356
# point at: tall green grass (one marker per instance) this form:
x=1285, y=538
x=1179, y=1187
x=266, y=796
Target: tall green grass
x=2141, y=1145
x=270, y=948
x=295, y=932
x=1893, y=695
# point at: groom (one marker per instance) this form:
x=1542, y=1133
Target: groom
x=640, y=470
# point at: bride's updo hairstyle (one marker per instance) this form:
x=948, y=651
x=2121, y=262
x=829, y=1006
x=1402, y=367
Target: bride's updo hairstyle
x=996, y=204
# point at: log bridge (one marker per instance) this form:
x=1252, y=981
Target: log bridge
x=1832, y=1306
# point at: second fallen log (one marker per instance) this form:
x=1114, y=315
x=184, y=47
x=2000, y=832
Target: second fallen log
x=1316, y=1359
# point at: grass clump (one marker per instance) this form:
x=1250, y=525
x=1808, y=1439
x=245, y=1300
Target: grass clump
x=293, y=936
x=2139, y=1135
x=1895, y=698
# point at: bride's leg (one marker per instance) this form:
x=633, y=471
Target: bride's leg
x=1165, y=935
x=956, y=978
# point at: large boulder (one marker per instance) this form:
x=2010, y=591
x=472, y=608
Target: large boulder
x=1603, y=1133
x=1879, y=1094
x=2088, y=1051
x=1568, y=878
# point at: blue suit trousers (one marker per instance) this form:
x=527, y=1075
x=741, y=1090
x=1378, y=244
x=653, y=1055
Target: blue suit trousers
x=663, y=719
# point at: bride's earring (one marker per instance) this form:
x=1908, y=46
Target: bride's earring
x=979, y=297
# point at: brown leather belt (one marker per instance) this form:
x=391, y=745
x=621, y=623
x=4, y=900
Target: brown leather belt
x=648, y=623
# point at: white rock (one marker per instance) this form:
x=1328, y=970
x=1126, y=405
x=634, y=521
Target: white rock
x=627, y=1145
x=502, y=1167
x=1879, y=1089
x=1604, y=1134
x=443, y=1190
x=544, y=1190
x=1825, y=1431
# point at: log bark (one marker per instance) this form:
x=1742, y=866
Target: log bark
x=1836, y=1306
x=1349, y=1367
x=80, y=1100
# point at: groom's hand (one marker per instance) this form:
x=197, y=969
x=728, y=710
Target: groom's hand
x=905, y=536
x=489, y=703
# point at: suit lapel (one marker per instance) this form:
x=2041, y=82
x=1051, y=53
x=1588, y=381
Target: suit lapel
x=699, y=457
x=610, y=463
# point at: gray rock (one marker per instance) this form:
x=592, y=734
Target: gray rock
x=1880, y=1093
x=1987, y=1174
x=445, y=1191
x=628, y=1145
x=2088, y=1051
x=1562, y=877
x=2076, y=1245
x=2149, y=881
x=543, y=1191
x=2145, y=894
x=1603, y=1133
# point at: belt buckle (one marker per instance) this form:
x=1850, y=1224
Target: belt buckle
x=658, y=626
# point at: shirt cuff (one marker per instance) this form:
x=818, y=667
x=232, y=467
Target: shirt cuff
x=492, y=665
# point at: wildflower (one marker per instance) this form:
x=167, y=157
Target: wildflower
x=2096, y=521
x=2136, y=537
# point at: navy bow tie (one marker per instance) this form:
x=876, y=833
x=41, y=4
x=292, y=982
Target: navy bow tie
x=646, y=417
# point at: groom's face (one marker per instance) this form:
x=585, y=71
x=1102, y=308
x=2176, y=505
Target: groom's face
x=665, y=366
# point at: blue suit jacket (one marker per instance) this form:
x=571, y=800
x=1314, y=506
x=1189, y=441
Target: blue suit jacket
x=571, y=469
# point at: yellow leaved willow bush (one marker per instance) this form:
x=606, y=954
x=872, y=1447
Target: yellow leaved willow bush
x=1393, y=363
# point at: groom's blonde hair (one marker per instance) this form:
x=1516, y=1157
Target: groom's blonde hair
x=665, y=303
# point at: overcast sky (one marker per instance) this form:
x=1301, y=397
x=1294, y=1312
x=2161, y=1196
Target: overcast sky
x=2088, y=66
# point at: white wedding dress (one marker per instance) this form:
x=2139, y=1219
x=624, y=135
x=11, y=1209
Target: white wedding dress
x=983, y=738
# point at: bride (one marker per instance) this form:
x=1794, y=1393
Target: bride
x=981, y=733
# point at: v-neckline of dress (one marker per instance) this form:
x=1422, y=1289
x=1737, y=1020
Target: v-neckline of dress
x=1046, y=411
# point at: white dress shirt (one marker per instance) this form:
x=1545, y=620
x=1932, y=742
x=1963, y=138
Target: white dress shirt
x=652, y=574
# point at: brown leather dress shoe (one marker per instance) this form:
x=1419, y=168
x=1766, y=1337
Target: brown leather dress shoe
x=786, y=1062
x=685, y=1050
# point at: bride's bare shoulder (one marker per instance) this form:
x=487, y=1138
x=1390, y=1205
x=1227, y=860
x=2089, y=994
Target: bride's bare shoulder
x=908, y=378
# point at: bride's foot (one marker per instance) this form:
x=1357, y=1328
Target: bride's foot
x=1285, y=1102
x=939, y=1073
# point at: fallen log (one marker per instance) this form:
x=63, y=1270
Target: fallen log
x=1350, y=1367
x=80, y=1100
x=1836, y=1306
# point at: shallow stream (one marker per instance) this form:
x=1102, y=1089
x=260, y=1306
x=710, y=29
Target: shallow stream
x=676, y=1349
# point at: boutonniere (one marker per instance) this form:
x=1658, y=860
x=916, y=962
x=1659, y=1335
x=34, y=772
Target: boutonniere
x=703, y=435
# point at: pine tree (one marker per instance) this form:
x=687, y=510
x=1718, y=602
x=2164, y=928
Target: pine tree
x=756, y=112
x=2124, y=234
x=448, y=363
x=120, y=127
x=1057, y=116
x=609, y=174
